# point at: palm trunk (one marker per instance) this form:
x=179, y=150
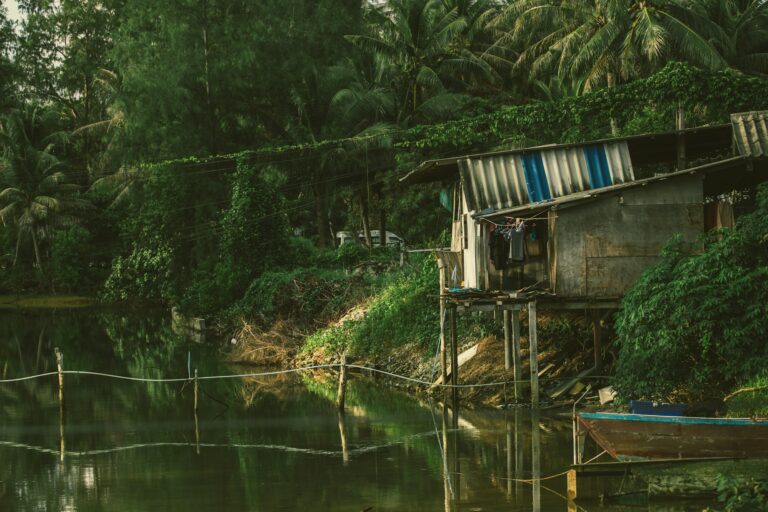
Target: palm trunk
x=18, y=245
x=364, y=217
x=37, y=251
x=614, y=124
x=321, y=215
x=382, y=218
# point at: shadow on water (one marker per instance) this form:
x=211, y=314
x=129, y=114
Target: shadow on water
x=259, y=443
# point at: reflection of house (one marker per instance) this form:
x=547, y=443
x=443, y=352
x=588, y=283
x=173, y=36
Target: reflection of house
x=574, y=225
x=344, y=237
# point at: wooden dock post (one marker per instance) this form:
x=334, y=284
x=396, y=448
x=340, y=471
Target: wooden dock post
x=534, y=351
x=60, y=366
x=197, y=386
x=454, y=356
x=518, y=363
x=342, y=393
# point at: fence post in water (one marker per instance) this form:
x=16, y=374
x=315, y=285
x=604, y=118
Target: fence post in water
x=534, y=351
x=60, y=366
x=196, y=390
x=342, y=394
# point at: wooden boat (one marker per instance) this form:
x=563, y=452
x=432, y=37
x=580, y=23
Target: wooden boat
x=646, y=437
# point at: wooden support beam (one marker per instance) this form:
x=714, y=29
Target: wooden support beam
x=507, y=320
x=516, y=357
x=534, y=352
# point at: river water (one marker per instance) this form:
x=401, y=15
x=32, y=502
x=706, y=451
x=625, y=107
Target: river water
x=256, y=444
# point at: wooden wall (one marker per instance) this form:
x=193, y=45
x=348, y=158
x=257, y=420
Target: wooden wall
x=602, y=246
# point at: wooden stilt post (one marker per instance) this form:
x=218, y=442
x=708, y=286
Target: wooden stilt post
x=196, y=390
x=443, y=351
x=510, y=450
x=516, y=359
x=342, y=394
x=507, y=319
x=534, y=351
x=454, y=354
x=60, y=366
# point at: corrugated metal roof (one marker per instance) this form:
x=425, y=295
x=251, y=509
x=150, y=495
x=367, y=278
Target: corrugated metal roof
x=577, y=197
x=750, y=131
x=503, y=181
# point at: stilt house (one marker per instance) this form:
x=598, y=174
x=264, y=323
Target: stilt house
x=572, y=226
x=581, y=222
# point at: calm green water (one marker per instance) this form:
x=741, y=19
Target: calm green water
x=272, y=443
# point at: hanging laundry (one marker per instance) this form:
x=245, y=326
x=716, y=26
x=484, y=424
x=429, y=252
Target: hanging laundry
x=725, y=217
x=498, y=248
x=517, y=245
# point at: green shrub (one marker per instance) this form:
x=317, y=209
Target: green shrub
x=145, y=274
x=70, y=259
x=750, y=404
x=696, y=323
x=403, y=310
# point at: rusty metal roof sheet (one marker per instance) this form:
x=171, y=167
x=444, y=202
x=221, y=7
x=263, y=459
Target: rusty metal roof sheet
x=503, y=181
x=750, y=132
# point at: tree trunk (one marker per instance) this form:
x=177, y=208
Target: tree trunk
x=18, y=244
x=382, y=217
x=206, y=63
x=321, y=215
x=37, y=251
x=364, y=217
x=614, y=124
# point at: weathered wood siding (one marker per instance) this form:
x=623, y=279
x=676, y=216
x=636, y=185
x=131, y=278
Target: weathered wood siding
x=603, y=246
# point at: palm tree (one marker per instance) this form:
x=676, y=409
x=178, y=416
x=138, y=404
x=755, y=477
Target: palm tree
x=420, y=41
x=603, y=41
x=344, y=101
x=742, y=32
x=34, y=191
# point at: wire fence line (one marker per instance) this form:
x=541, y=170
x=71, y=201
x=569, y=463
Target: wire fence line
x=364, y=448
x=288, y=371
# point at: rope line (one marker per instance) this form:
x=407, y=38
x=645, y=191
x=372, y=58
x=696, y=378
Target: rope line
x=283, y=372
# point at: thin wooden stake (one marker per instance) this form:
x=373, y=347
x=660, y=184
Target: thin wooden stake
x=196, y=390
x=516, y=359
x=60, y=366
x=342, y=394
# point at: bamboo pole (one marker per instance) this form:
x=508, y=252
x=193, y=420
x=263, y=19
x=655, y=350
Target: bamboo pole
x=342, y=394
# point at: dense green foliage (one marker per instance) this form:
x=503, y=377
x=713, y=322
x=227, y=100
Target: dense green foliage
x=695, y=323
x=402, y=311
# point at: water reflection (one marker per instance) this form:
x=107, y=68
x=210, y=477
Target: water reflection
x=269, y=443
